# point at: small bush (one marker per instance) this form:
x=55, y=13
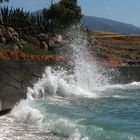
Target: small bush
x=32, y=49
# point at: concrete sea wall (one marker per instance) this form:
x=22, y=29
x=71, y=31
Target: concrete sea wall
x=15, y=77
x=126, y=74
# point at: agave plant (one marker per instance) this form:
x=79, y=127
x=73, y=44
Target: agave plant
x=41, y=24
x=23, y=22
x=32, y=29
x=5, y=16
x=19, y=20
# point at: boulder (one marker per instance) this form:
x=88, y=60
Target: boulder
x=14, y=47
x=59, y=39
x=20, y=47
x=22, y=42
x=10, y=29
x=15, y=40
x=32, y=40
x=8, y=36
x=51, y=43
x=13, y=32
x=44, y=45
x=54, y=39
x=1, y=34
x=3, y=40
x=43, y=37
x=4, y=31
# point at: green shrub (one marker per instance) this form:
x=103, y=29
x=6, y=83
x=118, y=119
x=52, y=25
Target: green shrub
x=62, y=14
x=32, y=49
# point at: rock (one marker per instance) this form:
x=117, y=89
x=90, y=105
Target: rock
x=3, y=40
x=55, y=39
x=32, y=40
x=1, y=34
x=43, y=37
x=51, y=43
x=4, y=31
x=8, y=36
x=59, y=39
x=10, y=29
x=14, y=47
x=20, y=47
x=44, y=45
x=22, y=42
x=13, y=32
x=15, y=40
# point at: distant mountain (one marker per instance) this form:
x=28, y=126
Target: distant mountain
x=102, y=24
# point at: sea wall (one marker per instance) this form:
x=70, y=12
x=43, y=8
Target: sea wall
x=15, y=77
x=125, y=74
x=122, y=74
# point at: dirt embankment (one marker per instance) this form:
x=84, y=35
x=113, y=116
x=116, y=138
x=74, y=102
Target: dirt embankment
x=24, y=56
x=117, y=49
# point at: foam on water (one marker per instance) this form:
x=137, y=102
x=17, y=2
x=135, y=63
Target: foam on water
x=24, y=113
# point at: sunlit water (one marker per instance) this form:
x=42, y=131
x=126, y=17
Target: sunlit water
x=75, y=105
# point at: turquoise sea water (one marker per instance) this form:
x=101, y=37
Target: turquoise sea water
x=108, y=113
x=113, y=116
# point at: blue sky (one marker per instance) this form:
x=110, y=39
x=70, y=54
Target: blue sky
x=121, y=10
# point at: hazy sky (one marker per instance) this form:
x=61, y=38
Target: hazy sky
x=122, y=10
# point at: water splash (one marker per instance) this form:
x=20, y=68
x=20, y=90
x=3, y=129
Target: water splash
x=88, y=73
x=84, y=77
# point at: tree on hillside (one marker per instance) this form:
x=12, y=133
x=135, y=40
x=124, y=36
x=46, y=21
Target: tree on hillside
x=63, y=14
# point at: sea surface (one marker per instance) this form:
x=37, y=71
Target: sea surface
x=75, y=104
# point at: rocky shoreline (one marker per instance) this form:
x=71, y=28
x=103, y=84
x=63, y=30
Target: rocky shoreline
x=17, y=75
x=11, y=40
x=20, y=70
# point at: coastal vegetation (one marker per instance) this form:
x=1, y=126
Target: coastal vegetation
x=58, y=16
x=38, y=33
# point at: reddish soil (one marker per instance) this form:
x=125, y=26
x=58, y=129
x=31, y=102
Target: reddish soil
x=24, y=56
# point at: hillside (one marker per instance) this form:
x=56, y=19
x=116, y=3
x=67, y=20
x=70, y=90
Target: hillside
x=117, y=49
x=102, y=24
